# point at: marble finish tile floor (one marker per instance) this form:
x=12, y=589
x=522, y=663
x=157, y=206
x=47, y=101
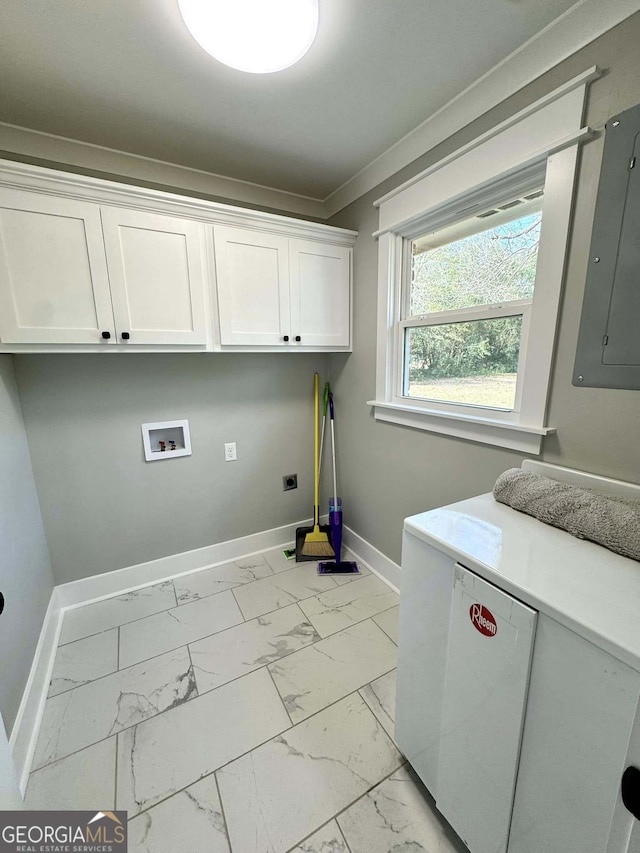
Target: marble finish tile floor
x=95, y=618
x=244, y=708
x=84, y=660
x=206, y=582
x=388, y=621
x=380, y=696
x=328, y=839
x=319, y=675
x=287, y=587
x=177, y=627
x=246, y=647
x=339, y=608
x=109, y=705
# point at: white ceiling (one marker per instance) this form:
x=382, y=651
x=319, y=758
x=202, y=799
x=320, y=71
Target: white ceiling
x=126, y=74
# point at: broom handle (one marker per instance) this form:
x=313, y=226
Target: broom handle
x=316, y=506
x=325, y=405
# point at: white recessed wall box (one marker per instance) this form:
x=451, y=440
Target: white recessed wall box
x=166, y=440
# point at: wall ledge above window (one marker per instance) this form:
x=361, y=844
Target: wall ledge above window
x=500, y=433
x=551, y=124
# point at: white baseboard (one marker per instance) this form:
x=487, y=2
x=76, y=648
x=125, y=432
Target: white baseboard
x=68, y=596
x=96, y=587
x=24, y=733
x=375, y=560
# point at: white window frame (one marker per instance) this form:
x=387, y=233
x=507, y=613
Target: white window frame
x=537, y=147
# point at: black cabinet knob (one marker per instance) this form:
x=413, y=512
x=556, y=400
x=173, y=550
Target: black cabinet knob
x=630, y=790
x=286, y=338
x=298, y=338
x=106, y=335
x=125, y=336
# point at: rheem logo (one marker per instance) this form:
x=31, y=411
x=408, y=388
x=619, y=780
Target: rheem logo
x=483, y=620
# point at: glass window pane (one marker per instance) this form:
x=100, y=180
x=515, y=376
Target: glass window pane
x=485, y=268
x=474, y=363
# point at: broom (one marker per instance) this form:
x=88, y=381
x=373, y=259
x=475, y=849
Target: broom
x=316, y=543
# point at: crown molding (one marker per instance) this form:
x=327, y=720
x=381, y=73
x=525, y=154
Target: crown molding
x=61, y=151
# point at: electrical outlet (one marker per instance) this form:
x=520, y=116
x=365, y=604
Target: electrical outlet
x=230, y=452
x=289, y=481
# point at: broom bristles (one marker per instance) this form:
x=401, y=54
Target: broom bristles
x=316, y=544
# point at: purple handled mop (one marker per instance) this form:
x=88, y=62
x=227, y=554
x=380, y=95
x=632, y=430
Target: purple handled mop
x=340, y=567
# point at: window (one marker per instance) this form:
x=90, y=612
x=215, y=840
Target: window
x=467, y=304
x=471, y=262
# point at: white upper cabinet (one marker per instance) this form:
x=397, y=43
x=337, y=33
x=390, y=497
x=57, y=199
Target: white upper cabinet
x=320, y=277
x=156, y=274
x=87, y=264
x=280, y=291
x=252, y=273
x=54, y=287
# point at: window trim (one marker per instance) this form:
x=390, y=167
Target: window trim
x=540, y=149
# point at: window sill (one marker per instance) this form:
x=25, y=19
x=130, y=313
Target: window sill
x=514, y=436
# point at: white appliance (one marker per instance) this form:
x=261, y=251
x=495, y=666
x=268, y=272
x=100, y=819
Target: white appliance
x=518, y=698
x=485, y=691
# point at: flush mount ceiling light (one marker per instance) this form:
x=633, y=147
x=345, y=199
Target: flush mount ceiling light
x=259, y=36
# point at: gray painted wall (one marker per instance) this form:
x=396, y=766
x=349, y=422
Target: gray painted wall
x=105, y=507
x=390, y=472
x=25, y=573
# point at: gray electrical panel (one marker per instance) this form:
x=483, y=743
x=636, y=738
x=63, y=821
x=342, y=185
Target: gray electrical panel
x=608, y=353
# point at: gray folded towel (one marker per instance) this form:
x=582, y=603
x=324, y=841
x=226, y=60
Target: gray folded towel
x=606, y=519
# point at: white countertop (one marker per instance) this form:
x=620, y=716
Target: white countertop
x=584, y=586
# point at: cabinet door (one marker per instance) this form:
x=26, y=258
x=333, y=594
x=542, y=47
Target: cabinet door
x=320, y=293
x=580, y=717
x=253, y=286
x=54, y=287
x=487, y=677
x=156, y=273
